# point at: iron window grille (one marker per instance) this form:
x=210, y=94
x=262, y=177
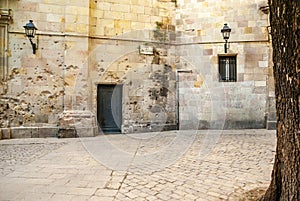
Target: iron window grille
x=227, y=68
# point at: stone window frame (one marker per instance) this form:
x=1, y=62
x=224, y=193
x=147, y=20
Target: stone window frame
x=227, y=67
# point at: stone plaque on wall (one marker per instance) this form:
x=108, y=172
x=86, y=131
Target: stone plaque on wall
x=146, y=49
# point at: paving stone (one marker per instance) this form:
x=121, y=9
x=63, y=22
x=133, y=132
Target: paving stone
x=68, y=170
x=151, y=198
x=101, y=198
x=34, y=196
x=61, y=197
x=106, y=192
x=80, y=198
x=16, y=152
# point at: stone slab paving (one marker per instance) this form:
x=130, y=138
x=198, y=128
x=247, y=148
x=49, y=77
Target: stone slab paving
x=173, y=165
x=19, y=152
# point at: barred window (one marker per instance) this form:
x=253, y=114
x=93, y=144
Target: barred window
x=227, y=68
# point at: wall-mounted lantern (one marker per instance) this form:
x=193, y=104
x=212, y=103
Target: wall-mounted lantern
x=226, y=34
x=30, y=30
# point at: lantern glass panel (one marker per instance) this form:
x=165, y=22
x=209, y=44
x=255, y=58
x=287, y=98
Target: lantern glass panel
x=226, y=35
x=30, y=33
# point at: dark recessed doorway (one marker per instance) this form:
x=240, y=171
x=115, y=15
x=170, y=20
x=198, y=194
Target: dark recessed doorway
x=109, y=107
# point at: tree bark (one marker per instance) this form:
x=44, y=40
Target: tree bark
x=285, y=31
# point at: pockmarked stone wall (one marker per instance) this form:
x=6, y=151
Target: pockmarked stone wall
x=40, y=85
x=82, y=44
x=43, y=87
x=148, y=79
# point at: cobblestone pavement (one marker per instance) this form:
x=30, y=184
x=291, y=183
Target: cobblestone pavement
x=19, y=152
x=173, y=165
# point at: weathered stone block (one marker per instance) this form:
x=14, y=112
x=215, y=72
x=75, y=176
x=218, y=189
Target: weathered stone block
x=87, y=132
x=82, y=28
x=144, y=18
x=207, y=52
x=55, y=18
x=113, y=15
x=6, y=133
x=20, y=132
x=67, y=133
x=131, y=16
x=34, y=132
x=83, y=11
x=126, y=24
x=263, y=64
x=77, y=123
x=48, y=8
x=137, y=9
x=104, y=5
x=125, y=8
x=259, y=90
x=248, y=30
x=137, y=25
x=45, y=132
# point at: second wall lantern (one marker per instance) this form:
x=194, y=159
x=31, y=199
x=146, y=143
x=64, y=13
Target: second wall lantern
x=226, y=34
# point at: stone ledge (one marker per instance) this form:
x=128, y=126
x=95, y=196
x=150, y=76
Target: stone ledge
x=45, y=132
x=148, y=128
x=186, y=125
x=28, y=132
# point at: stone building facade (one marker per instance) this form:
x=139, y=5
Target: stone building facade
x=134, y=65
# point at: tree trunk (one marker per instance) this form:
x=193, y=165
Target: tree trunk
x=285, y=31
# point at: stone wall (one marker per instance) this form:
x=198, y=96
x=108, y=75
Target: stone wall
x=241, y=104
x=85, y=43
x=149, y=97
x=202, y=20
x=56, y=78
x=117, y=17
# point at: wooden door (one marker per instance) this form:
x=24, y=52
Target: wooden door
x=109, y=110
